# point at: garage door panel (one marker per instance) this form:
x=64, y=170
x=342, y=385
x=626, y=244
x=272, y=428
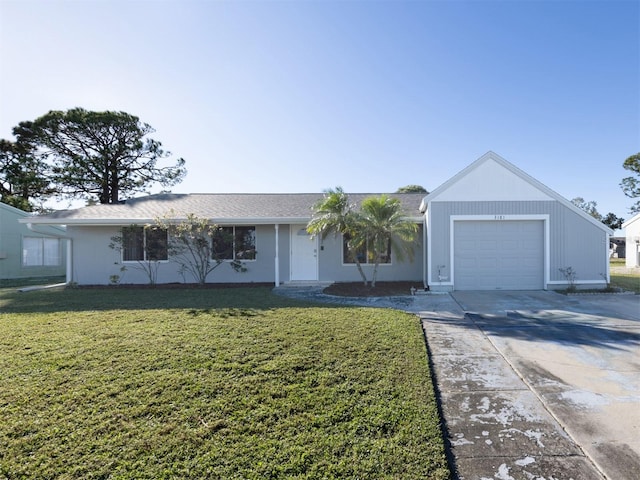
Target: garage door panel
x=510, y=263
x=487, y=263
x=508, y=245
x=467, y=245
x=506, y=255
x=488, y=244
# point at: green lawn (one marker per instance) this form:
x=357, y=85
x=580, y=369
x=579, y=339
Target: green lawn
x=626, y=281
x=238, y=383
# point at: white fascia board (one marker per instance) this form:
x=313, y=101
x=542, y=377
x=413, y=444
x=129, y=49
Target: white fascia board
x=631, y=220
x=144, y=221
x=97, y=222
x=15, y=210
x=520, y=173
x=260, y=221
x=434, y=194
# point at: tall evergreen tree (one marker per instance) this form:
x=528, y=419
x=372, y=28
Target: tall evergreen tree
x=99, y=156
x=24, y=176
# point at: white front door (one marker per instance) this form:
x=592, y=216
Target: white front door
x=304, y=254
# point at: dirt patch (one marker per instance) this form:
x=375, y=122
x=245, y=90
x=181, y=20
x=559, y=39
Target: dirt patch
x=382, y=289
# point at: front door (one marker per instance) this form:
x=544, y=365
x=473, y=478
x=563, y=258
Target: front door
x=304, y=254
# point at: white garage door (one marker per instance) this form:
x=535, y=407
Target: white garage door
x=506, y=255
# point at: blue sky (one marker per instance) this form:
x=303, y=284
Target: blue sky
x=371, y=96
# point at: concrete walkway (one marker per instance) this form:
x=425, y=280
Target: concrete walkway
x=532, y=385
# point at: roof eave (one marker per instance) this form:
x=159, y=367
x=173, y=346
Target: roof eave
x=520, y=173
x=105, y=222
x=633, y=219
x=111, y=222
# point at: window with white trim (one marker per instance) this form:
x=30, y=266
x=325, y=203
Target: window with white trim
x=141, y=244
x=363, y=254
x=41, y=252
x=234, y=243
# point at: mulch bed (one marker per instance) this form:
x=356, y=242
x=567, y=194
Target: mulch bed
x=182, y=286
x=382, y=289
x=347, y=289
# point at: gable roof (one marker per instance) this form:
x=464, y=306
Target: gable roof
x=633, y=219
x=14, y=210
x=537, y=190
x=14, y=216
x=245, y=208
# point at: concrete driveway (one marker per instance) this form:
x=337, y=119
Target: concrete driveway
x=538, y=385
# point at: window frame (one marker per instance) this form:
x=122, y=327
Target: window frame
x=44, y=260
x=234, y=244
x=145, y=249
x=367, y=254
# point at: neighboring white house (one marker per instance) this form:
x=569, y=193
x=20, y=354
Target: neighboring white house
x=489, y=227
x=25, y=252
x=632, y=235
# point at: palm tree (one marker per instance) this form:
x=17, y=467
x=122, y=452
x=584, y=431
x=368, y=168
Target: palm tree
x=335, y=215
x=384, y=227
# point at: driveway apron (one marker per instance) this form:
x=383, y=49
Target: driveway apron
x=538, y=385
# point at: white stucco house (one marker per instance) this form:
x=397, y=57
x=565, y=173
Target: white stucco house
x=491, y=226
x=632, y=241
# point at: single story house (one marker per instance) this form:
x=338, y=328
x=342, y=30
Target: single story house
x=27, y=252
x=632, y=235
x=489, y=227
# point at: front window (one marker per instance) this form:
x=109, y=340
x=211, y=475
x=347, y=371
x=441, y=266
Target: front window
x=245, y=243
x=41, y=252
x=364, y=253
x=234, y=243
x=144, y=244
x=222, y=244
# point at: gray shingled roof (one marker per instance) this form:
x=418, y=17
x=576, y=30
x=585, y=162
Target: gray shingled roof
x=219, y=208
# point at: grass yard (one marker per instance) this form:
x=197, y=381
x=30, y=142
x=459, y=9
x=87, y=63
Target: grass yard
x=201, y=383
x=626, y=281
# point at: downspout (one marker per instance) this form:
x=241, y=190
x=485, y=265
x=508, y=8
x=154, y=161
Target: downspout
x=69, y=269
x=277, y=258
x=608, y=270
x=424, y=253
x=69, y=277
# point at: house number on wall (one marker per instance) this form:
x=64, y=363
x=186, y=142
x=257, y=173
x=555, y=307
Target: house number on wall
x=499, y=217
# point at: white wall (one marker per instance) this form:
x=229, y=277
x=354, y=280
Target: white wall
x=632, y=234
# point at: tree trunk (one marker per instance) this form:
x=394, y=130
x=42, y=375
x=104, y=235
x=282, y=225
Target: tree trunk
x=364, y=277
x=114, y=189
x=104, y=195
x=375, y=274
